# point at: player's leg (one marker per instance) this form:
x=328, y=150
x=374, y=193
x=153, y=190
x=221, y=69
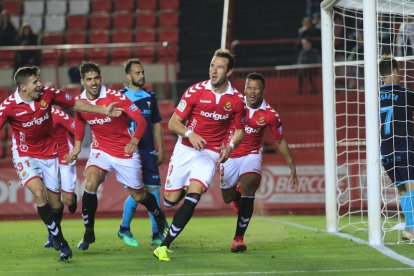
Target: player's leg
x=68, y=182
x=407, y=206
x=124, y=232
x=229, y=175
x=94, y=177
x=156, y=237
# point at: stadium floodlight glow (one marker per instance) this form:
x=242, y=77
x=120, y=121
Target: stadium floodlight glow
x=355, y=35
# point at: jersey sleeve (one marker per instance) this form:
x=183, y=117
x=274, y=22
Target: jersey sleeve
x=239, y=115
x=62, y=118
x=79, y=127
x=155, y=113
x=275, y=124
x=62, y=98
x=186, y=104
x=134, y=113
x=3, y=114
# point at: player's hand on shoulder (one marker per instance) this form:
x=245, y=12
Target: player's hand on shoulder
x=197, y=141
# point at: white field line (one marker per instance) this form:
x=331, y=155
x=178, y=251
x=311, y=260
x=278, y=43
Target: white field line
x=382, y=249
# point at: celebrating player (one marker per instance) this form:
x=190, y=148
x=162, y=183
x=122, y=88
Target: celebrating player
x=397, y=133
x=113, y=148
x=28, y=110
x=245, y=162
x=150, y=158
x=207, y=107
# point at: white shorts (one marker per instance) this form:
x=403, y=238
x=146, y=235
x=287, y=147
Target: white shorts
x=127, y=171
x=28, y=168
x=68, y=177
x=234, y=168
x=188, y=164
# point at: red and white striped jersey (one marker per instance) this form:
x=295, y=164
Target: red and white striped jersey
x=63, y=128
x=209, y=114
x=32, y=122
x=109, y=134
x=256, y=122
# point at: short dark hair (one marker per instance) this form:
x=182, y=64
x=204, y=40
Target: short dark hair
x=129, y=63
x=23, y=73
x=88, y=66
x=257, y=76
x=387, y=65
x=224, y=53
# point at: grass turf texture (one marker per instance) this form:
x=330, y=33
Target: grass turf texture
x=274, y=247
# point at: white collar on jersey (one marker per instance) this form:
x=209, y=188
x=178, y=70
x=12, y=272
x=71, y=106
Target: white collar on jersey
x=102, y=94
x=262, y=106
x=229, y=90
x=19, y=99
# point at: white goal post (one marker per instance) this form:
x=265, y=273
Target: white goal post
x=358, y=192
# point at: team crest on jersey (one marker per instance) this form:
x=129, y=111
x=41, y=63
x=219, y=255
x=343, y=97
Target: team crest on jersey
x=227, y=106
x=261, y=121
x=133, y=107
x=182, y=105
x=43, y=104
x=24, y=174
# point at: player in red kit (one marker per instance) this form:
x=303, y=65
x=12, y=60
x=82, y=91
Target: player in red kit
x=113, y=148
x=202, y=119
x=245, y=162
x=28, y=111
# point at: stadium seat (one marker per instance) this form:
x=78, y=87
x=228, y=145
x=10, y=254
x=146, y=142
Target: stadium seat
x=34, y=7
x=52, y=39
x=35, y=22
x=73, y=57
x=102, y=6
x=14, y=7
x=55, y=23
x=99, y=21
x=168, y=19
x=124, y=5
x=147, y=35
x=169, y=35
x=150, y=5
x=6, y=59
x=56, y=7
x=78, y=7
x=51, y=57
x=120, y=55
x=146, y=20
x=75, y=37
x=121, y=36
x=77, y=22
x=168, y=54
x=122, y=20
x=146, y=55
x=72, y=89
x=98, y=37
x=169, y=4
x=99, y=56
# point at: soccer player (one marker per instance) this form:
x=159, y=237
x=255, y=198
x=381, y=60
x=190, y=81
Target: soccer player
x=28, y=111
x=245, y=162
x=113, y=148
x=207, y=108
x=397, y=141
x=63, y=130
x=146, y=101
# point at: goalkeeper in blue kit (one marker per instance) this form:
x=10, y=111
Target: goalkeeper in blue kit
x=397, y=141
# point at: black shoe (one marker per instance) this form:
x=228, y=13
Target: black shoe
x=56, y=244
x=88, y=238
x=66, y=252
x=74, y=205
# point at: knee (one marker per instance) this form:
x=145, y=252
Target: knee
x=138, y=195
x=171, y=199
x=40, y=195
x=68, y=200
x=228, y=199
x=228, y=195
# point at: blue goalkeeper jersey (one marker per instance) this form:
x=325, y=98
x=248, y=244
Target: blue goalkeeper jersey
x=396, y=109
x=147, y=103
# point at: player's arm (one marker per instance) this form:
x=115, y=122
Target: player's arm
x=79, y=134
x=227, y=149
x=176, y=125
x=109, y=110
x=158, y=141
x=135, y=114
x=283, y=147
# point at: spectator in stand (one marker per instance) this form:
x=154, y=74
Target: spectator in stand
x=316, y=21
x=8, y=33
x=308, y=30
x=308, y=55
x=405, y=37
x=26, y=37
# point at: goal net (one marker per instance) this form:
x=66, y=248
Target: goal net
x=348, y=76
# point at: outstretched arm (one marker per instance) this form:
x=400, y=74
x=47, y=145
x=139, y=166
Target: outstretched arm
x=283, y=147
x=109, y=110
